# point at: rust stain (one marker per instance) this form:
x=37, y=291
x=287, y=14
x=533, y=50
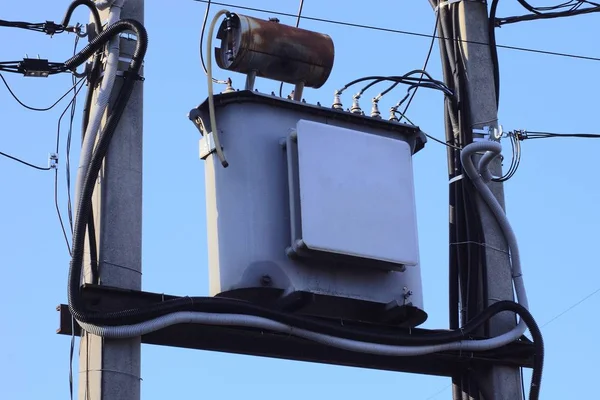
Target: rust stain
x=277, y=51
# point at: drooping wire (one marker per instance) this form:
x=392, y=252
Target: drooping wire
x=515, y=144
x=395, y=111
x=403, y=32
x=406, y=79
x=68, y=146
x=297, y=25
x=56, y=202
x=204, y=22
x=36, y=108
x=24, y=162
x=426, y=63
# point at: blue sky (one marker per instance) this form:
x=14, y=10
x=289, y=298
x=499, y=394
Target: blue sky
x=551, y=201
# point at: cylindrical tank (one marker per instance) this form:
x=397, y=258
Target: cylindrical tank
x=275, y=51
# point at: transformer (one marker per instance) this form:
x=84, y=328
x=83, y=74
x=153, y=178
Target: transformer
x=315, y=213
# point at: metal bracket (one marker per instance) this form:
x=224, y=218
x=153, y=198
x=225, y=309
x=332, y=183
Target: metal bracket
x=488, y=133
x=207, y=146
x=450, y=2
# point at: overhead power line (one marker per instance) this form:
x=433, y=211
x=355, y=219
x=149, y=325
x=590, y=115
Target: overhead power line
x=24, y=162
x=36, y=108
x=403, y=32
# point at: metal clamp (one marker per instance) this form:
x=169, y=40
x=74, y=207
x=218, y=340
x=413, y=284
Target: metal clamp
x=488, y=133
x=207, y=146
x=450, y=2
x=53, y=160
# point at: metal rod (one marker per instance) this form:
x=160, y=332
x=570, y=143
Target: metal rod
x=250, y=78
x=298, y=91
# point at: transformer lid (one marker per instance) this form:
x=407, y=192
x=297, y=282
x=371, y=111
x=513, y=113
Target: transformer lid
x=248, y=96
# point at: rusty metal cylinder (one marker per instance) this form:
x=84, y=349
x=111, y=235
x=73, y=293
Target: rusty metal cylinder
x=275, y=51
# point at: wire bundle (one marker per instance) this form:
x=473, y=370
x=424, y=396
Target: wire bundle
x=565, y=9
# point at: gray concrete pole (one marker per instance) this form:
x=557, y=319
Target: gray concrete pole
x=504, y=383
x=110, y=369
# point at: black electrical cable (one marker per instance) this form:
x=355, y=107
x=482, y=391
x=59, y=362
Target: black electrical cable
x=545, y=135
x=494, y=48
x=36, y=108
x=426, y=63
x=68, y=147
x=546, y=15
x=84, y=202
x=89, y=4
x=60, y=219
x=204, y=21
x=405, y=79
x=24, y=162
x=99, y=41
x=56, y=203
x=297, y=24
x=47, y=27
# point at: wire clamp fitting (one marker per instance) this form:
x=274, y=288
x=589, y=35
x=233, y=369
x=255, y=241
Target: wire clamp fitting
x=488, y=133
x=53, y=161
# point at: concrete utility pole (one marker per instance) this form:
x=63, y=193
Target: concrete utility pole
x=503, y=383
x=110, y=369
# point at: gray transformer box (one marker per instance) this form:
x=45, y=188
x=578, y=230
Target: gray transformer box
x=315, y=213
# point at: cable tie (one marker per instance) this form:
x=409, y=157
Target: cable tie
x=456, y=179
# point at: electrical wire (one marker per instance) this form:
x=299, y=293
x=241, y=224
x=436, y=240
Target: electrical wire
x=403, y=32
x=68, y=146
x=47, y=27
x=547, y=15
x=56, y=200
x=58, y=212
x=36, y=108
x=526, y=135
x=204, y=22
x=406, y=79
x=494, y=49
x=297, y=25
x=24, y=162
x=515, y=158
x=426, y=63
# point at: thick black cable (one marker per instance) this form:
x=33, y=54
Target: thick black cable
x=36, y=27
x=99, y=41
x=546, y=15
x=406, y=79
x=89, y=4
x=494, y=48
x=24, y=162
x=36, y=108
x=84, y=202
x=544, y=135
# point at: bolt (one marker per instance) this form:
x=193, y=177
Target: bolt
x=266, y=280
